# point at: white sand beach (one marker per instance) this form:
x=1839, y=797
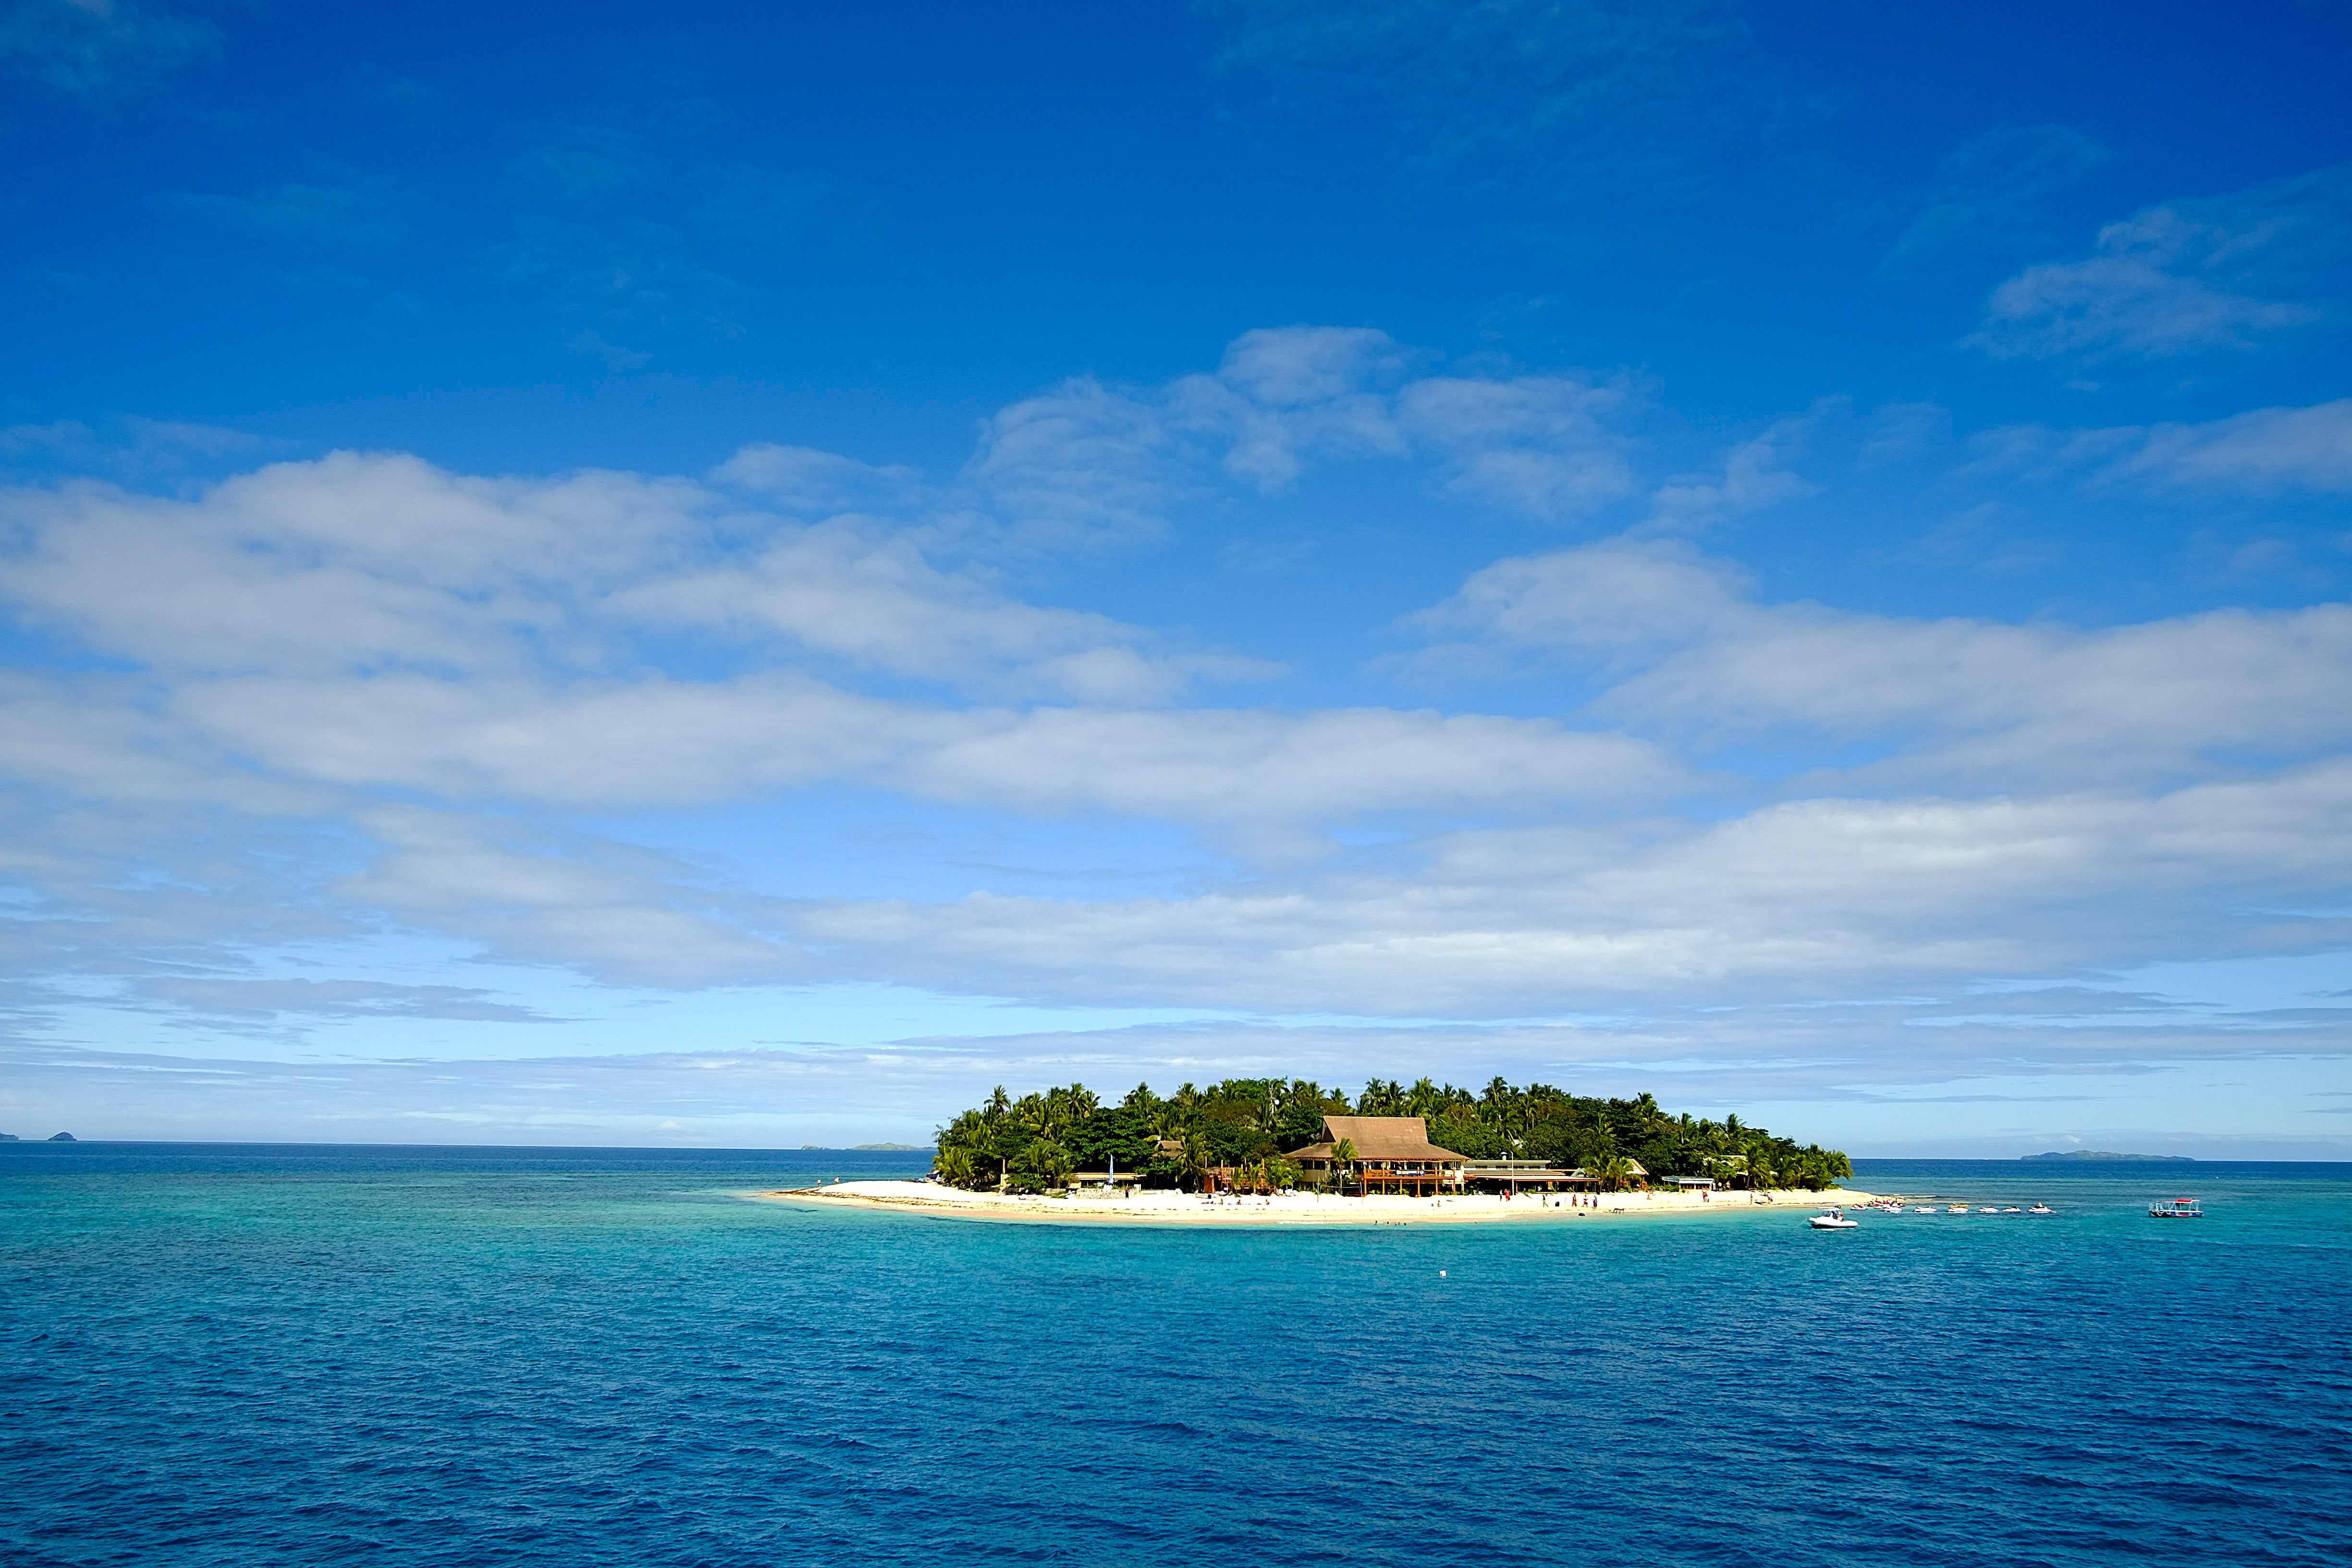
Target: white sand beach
x=1295, y=1208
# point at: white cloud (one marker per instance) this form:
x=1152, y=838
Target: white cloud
x=1821, y=1073
x=2190, y=276
x=1282, y=395
x=1297, y=367
x=1814, y=898
x=366, y=699
x=867, y=595
x=1957, y=702
x=308, y=642
x=649, y=743
x=540, y=896
x=1088, y=462
x=1753, y=479
x=1538, y=445
x=804, y=483
x=257, y=998
x=370, y=565
x=2263, y=451
x=1080, y=465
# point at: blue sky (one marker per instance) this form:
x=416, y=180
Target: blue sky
x=740, y=576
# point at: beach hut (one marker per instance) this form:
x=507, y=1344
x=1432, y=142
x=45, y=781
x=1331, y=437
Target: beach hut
x=1393, y=1153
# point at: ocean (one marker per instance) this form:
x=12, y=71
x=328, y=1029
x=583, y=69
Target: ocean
x=292, y=1355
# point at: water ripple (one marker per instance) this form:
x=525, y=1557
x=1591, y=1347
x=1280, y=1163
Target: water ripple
x=431, y=1357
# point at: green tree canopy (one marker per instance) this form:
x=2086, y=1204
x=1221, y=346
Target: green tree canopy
x=1250, y=1124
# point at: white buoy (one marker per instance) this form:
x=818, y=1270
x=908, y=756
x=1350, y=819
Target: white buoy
x=1441, y=1274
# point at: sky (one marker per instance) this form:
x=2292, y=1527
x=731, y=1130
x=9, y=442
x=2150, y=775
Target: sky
x=737, y=576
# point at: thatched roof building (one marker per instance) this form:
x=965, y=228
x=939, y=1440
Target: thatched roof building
x=1391, y=1150
x=1380, y=1140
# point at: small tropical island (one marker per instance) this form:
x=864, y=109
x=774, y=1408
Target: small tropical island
x=1290, y=1149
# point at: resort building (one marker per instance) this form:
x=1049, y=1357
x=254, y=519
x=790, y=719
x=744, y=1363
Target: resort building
x=1101, y=1180
x=1517, y=1175
x=1393, y=1154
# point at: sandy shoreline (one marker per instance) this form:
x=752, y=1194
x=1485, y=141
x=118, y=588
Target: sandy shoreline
x=1296, y=1209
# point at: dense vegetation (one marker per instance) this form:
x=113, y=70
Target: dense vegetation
x=1245, y=1126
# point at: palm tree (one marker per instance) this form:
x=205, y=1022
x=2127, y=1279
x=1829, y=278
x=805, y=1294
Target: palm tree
x=1048, y=1158
x=1613, y=1173
x=1065, y=1108
x=1422, y=1100
x=1343, y=1157
x=1195, y=1160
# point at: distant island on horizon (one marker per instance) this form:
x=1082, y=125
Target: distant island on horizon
x=2101, y=1154
x=870, y=1148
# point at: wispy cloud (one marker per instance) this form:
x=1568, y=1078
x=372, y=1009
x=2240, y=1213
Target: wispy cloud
x=1546, y=101
x=1085, y=461
x=2263, y=451
x=270, y=999
x=2187, y=277
x=1754, y=476
x=355, y=210
x=1958, y=701
x=100, y=48
x=324, y=701
x=745, y=1094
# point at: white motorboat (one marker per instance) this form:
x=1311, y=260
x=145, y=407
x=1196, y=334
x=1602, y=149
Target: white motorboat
x=2040, y=1208
x=1925, y=1208
x=1834, y=1220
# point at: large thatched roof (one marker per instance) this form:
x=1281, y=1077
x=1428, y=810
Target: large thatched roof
x=1377, y=1138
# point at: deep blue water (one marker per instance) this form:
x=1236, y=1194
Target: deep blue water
x=214, y=1354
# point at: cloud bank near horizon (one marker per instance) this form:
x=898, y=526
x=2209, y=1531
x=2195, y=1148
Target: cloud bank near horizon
x=270, y=723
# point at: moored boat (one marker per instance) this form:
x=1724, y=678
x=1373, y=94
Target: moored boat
x=1835, y=1220
x=2176, y=1208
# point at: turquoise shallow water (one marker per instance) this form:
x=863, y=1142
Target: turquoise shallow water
x=215, y=1354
